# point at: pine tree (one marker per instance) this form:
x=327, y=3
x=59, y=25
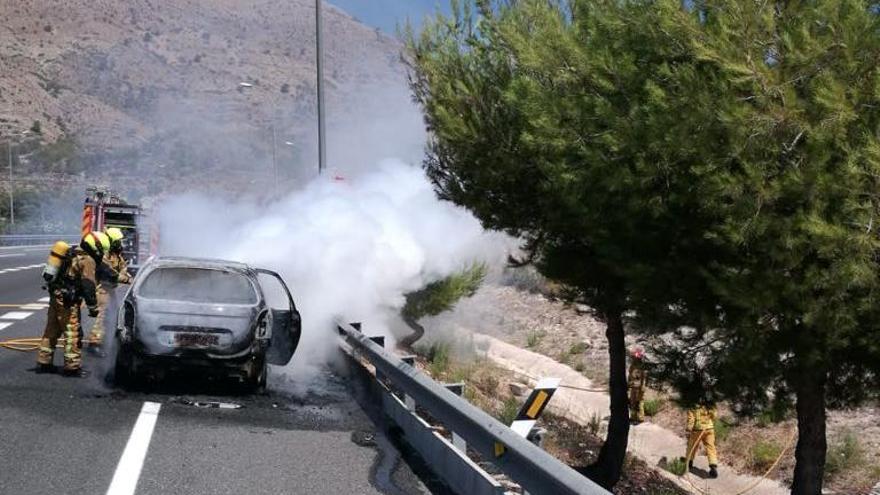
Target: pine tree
x=437, y=297
x=707, y=169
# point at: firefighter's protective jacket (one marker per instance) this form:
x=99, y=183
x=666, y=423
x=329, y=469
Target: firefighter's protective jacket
x=113, y=270
x=81, y=275
x=701, y=418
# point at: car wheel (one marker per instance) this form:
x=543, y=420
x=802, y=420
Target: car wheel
x=124, y=371
x=257, y=375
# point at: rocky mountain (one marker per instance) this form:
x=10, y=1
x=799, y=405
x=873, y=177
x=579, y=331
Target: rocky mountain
x=156, y=83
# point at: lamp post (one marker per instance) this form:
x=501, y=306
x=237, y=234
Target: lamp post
x=322, y=145
x=11, y=194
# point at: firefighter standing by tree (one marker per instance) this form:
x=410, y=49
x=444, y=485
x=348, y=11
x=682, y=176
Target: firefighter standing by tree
x=636, y=385
x=75, y=282
x=701, y=429
x=113, y=271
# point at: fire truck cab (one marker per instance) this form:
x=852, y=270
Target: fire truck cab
x=103, y=209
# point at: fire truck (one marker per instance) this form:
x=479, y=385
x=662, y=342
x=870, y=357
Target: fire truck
x=103, y=209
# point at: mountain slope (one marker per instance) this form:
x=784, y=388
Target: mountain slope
x=112, y=73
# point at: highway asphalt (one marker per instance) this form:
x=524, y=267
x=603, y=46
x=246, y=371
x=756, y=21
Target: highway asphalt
x=80, y=435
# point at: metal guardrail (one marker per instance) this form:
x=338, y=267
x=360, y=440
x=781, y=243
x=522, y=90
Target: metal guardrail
x=527, y=464
x=35, y=239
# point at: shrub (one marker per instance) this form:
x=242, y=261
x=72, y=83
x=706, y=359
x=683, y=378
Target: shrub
x=580, y=366
x=534, y=338
x=595, y=423
x=764, y=454
x=722, y=428
x=773, y=415
x=845, y=453
x=437, y=355
x=508, y=411
x=653, y=406
x=578, y=348
x=677, y=466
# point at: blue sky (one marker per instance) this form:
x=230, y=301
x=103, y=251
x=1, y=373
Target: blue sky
x=386, y=14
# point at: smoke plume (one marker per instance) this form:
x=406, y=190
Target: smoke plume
x=348, y=247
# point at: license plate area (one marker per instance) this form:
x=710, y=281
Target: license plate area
x=194, y=340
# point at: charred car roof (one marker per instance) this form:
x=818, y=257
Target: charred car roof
x=209, y=263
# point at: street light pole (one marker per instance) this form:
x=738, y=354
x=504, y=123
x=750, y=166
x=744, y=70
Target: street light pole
x=322, y=145
x=11, y=193
x=274, y=159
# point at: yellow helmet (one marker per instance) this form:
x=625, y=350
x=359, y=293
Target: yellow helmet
x=103, y=240
x=114, y=234
x=91, y=244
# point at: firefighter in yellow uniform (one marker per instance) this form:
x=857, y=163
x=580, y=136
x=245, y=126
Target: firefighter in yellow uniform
x=701, y=430
x=113, y=271
x=76, y=284
x=636, y=386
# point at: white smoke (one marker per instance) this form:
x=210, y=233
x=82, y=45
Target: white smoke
x=347, y=248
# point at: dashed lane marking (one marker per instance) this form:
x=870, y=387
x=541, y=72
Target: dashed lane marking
x=11, y=255
x=15, y=315
x=5, y=324
x=128, y=471
x=44, y=299
x=34, y=306
x=19, y=268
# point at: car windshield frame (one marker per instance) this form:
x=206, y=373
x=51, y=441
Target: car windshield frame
x=178, y=298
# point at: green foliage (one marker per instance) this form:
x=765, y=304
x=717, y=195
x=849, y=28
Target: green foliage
x=533, y=338
x=763, y=454
x=438, y=297
x=677, y=466
x=577, y=348
x=509, y=409
x=653, y=406
x=442, y=295
x=846, y=453
x=722, y=429
x=438, y=356
x=770, y=416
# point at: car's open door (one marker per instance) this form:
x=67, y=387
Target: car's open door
x=285, y=319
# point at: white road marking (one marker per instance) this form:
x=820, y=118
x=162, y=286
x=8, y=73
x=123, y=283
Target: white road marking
x=34, y=306
x=44, y=299
x=5, y=324
x=11, y=248
x=10, y=255
x=15, y=315
x=19, y=268
x=128, y=471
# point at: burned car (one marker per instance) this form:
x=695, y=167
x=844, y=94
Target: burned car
x=221, y=317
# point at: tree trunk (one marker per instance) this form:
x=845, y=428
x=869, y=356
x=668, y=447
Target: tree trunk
x=418, y=332
x=810, y=453
x=608, y=467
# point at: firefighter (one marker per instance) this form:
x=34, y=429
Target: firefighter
x=75, y=285
x=701, y=430
x=113, y=271
x=636, y=386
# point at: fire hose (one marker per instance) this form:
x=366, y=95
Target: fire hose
x=27, y=344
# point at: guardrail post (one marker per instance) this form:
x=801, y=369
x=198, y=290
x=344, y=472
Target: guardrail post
x=407, y=399
x=457, y=441
x=380, y=340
